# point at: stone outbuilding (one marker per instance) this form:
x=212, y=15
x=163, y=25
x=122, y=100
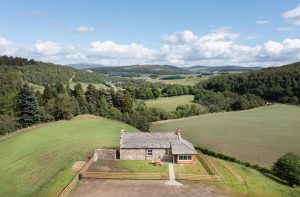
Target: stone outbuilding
x=167, y=146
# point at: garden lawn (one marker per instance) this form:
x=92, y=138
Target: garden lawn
x=194, y=169
x=258, y=135
x=170, y=103
x=37, y=162
x=132, y=166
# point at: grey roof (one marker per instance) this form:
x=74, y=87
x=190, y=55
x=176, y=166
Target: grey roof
x=157, y=140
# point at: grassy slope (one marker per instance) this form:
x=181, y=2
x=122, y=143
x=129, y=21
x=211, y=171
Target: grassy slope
x=30, y=160
x=170, y=103
x=262, y=134
x=238, y=180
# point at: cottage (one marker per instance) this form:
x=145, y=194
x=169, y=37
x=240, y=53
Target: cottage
x=167, y=146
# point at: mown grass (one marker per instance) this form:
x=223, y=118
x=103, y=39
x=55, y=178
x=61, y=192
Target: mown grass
x=133, y=166
x=238, y=180
x=37, y=162
x=170, y=103
x=259, y=135
x=196, y=168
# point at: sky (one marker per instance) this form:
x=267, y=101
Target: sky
x=181, y=33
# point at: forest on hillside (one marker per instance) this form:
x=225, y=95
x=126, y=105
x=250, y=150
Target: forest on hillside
x=21, y=107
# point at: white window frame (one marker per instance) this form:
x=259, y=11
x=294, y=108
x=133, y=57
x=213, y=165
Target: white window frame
x=185, y=157
x=149, y=152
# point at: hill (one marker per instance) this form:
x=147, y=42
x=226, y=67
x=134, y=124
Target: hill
x=41, y=73
x=279, y=84
x=259, y=135
x=37, y=161
x=228, y=68
x=142, y=69
x=85, y=65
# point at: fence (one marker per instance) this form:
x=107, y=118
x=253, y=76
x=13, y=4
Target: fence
x=133, y=176
x=74, y=181
x=209, y=165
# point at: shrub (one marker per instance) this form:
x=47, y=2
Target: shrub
x=287, y=168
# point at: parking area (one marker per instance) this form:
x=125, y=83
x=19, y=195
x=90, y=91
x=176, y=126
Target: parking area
x=137, y=188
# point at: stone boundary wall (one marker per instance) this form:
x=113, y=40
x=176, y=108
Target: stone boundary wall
x=105, y=154
x=74, y=181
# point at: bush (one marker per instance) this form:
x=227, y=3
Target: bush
x=287, y=168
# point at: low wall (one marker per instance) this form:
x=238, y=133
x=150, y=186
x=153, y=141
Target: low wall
x=74, y=181
x=105, y=154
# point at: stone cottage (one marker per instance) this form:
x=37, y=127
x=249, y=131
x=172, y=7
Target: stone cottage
x=167, y=146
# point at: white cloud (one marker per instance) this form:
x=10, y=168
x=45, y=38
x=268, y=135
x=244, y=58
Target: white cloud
x=6, y=46
x=219, y=47
x=287, y=29
x=293, y=16
x=109, y=49
x=262, y=21
x=85, y=29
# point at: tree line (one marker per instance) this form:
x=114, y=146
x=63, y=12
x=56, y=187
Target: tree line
x=277, y=84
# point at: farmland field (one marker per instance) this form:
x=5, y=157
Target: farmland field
x=188, y=80
x=37, y=162
x=170, y=103
x=259, y=135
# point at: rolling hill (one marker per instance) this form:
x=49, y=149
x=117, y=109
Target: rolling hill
x=40, y=73
x=142, y=69
x=228, y=68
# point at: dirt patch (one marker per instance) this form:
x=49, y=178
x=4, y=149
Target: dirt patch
x=77, y=165
x=133, y=188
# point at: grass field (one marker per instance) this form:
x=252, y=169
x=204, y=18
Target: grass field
x=37, y=162
x=259, y=135
x=170, y=103
x=188, y=80
x=238, y=180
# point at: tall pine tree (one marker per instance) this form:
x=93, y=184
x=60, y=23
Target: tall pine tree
x=27, y=107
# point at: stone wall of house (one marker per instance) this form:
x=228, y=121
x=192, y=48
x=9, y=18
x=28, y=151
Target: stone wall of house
x=141, y=154
x=105, y=154
x=132, y=154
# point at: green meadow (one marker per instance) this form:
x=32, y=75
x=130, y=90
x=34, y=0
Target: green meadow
x=170, y=103
x=37, y=162
x=258, y=135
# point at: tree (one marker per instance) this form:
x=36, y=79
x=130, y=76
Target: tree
x=91, y=95
x=27, y=107
x=127, y=103
x=80, y=97
x=64, y=107
x=60, y=88
x=287, y=168
x=102, y=106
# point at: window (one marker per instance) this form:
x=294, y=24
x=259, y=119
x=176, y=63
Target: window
x=167, y=151
x=149, y=152
x=185, y=157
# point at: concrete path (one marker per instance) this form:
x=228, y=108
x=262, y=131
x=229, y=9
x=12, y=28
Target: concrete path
x=172, y=180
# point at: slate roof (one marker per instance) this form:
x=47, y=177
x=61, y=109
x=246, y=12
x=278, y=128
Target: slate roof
x=157, y=140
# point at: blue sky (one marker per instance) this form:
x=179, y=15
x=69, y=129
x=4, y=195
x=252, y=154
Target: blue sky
x=164, y=32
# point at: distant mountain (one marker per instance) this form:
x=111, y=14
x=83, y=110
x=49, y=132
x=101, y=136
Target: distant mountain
x=142, y=69
x=227, y=68
x=85, y=65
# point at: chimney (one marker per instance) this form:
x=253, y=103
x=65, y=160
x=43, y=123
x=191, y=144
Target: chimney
x=122, y=132
x=178, y=133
